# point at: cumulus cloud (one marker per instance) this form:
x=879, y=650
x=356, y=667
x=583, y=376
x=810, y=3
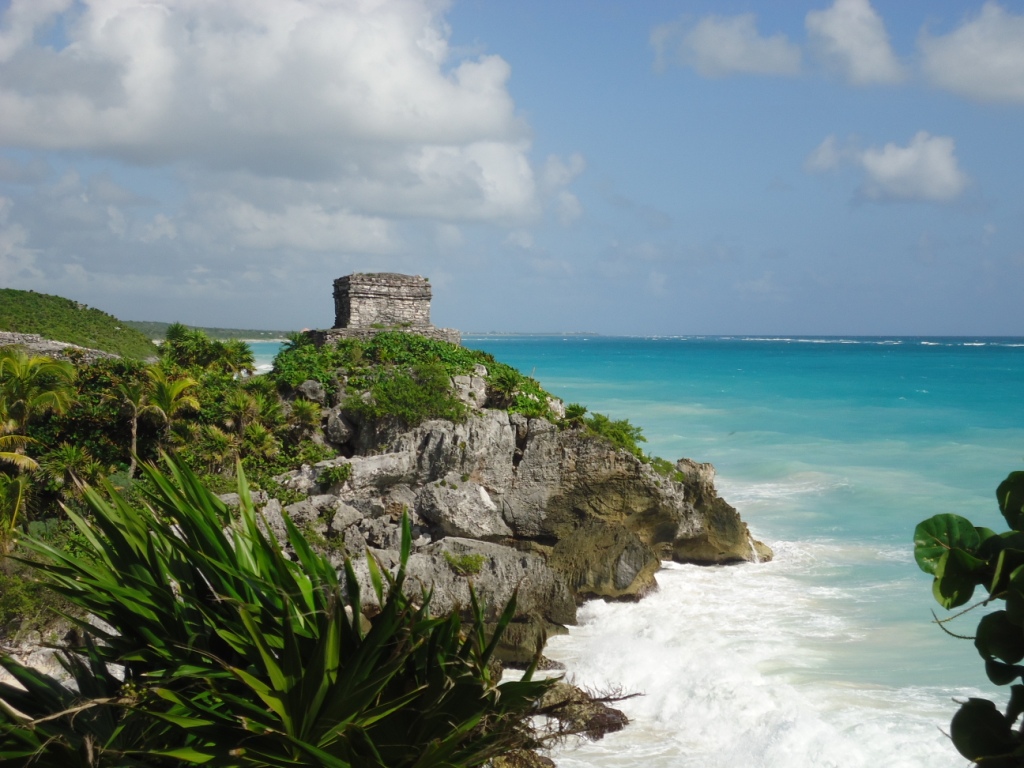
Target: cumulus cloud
x=926, y=169
x=367, y=95
x=850, y=37
x=717, y=46
x=983, y=59
x=16, y=260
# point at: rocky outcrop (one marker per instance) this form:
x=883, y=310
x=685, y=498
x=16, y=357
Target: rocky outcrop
x=556, y=512
x=35, y=344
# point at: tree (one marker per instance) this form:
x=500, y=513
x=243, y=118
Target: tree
x=240, y=410
x=232, y=653
x=33, y=385
x=304, y=418
x=237, y=358
x=962, y=557
x=68, y=466
x=170, y=397
x=13, y=495
x=12, y=446
x=133, y=395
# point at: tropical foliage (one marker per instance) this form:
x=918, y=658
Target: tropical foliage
x=32, y=385
x=962, y=557
x=54, y=317
x=230, y=651
x=393, y=365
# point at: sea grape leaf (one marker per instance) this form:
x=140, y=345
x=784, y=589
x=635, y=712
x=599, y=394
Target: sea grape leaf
x=939, y=534
x=1015, y=706
x=1014, y=594
x=979, y=730
x=1010, y=495
x=1008, y=562
x=992, y=543
x=999, y=638
x=956, y=575
x=1002, y=674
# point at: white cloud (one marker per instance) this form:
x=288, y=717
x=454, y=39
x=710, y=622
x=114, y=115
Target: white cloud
x=850, y=36
x=159, y=227
x=826, y=157
x=22, y=19
x=16, y=260
x=520, y=238
x=983, y=59
x=364, y=96
x=926, y=169
x=559, y=173
x=307, y=226
x=723, y=45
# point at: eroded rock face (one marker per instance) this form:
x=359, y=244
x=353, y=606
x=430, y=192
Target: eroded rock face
x=598, y=517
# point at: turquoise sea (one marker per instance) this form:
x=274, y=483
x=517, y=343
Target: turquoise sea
x=832, y=450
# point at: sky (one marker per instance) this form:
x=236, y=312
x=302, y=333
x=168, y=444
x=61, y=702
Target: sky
x=852, y=167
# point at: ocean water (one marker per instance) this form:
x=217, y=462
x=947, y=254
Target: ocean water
x=832, y=450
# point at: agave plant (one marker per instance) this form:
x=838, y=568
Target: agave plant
x=233, y=651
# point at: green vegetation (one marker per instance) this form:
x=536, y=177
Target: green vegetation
x=962, y=557
x=60, y=319
x=407, y=375
x=158, y=331
x=336, y=475
x=231, y=653
x=465, y=565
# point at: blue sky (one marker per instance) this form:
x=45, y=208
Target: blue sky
x=843, y=167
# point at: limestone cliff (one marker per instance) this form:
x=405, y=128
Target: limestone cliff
x=557, y=512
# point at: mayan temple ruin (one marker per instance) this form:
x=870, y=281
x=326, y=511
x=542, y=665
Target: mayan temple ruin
x=367, y=303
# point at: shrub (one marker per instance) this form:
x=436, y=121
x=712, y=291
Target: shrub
x=336, y=475
x=962, y=557
x=412, y=397
x=231, y=653
x=666, y=468
x=619, y=432
x=465, y=565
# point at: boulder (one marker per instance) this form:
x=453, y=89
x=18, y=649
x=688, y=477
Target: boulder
x=312, y=390
x=337, y=429
x=463, y=509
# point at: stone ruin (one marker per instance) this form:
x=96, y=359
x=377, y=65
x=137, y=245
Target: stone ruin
x=366, y=304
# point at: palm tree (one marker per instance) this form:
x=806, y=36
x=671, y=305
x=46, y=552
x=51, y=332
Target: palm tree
x=237, y=357
x=240, y=409
x=170, y=397
x=32, y=385
x=220, y=448
x=304, y=418
x=133, y=396
x=260, y=442
x=13, y=494
x=70, y=466
x=12, y=446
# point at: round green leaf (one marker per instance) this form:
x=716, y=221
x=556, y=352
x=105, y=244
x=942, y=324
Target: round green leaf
x=937, y=535
x=979, y=730
x=1010, y=494
x=999, y=638
x=1002, y=674
x=956, y=575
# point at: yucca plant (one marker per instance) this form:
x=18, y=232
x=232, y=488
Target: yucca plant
x=234, y=650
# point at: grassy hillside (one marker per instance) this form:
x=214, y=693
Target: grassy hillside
x=60, y=319
x=154, y=330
